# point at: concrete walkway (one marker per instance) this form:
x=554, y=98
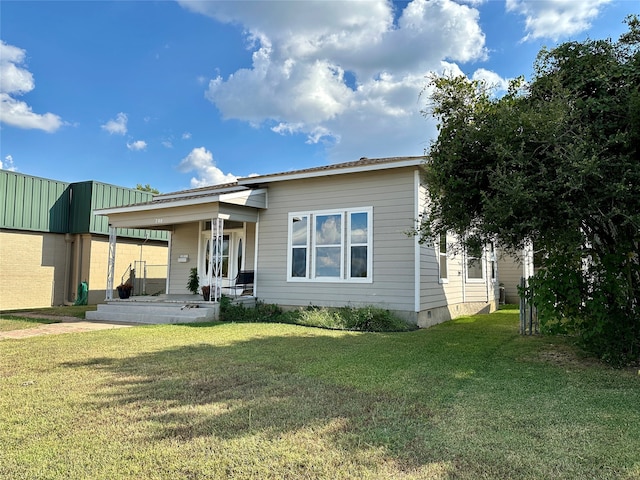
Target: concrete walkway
x=66, y=325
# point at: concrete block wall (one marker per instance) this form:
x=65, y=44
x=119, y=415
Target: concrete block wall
x=32, y=269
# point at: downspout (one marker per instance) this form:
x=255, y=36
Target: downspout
x=416, y=246
x=464, y=274
x=169, y=246
x=77, y=262
x=496, y=283
x=255, y=256
x=68, y=239
x=489, y=274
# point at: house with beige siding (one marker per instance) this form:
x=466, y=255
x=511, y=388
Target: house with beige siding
x=328, y=236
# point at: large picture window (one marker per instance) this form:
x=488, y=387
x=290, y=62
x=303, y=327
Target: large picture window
x=330, y=245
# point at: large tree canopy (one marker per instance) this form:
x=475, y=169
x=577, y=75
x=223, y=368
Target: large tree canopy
x=554, y=161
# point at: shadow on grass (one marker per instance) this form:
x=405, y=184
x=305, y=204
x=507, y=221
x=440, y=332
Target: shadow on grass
x=346, y=389
x=18, y=322
x=459, y=395
x=34, y=320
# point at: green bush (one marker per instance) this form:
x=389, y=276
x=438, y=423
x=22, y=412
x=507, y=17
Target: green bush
x=366, y=319
x=319, y=317
x=372, y=319
x=262, y=312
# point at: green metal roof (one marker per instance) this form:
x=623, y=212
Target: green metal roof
x=90, y=196
x=39, y=204
x=32, y=203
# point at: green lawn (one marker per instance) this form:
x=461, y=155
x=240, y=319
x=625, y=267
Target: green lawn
x=468, y=399
x=12, y=319
x=16, y=322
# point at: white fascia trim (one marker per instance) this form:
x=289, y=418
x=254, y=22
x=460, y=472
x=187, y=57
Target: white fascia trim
x=327, y=172
x=156, y=206
x=220, y=198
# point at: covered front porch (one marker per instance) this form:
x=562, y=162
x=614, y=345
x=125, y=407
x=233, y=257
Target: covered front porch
x=212, y=233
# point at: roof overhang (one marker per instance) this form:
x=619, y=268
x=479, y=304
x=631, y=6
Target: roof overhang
x=238, y=205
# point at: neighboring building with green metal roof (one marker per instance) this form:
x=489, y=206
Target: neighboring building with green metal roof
x=50, y=241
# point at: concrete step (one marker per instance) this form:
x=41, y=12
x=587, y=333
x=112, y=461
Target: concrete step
x=131, y=312
x=156, y=309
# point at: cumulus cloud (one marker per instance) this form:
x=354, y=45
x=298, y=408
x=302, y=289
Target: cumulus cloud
x=16, y=80
x=116, y=126
x=491, y=79
x=137, y=145
x=555, y=18
x=343, y=73
x=7, y=164
x=200, y=160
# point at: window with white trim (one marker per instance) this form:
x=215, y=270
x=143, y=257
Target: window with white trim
x=493, y=263
x=442, y=256
x=475, y=269
x=330, y=245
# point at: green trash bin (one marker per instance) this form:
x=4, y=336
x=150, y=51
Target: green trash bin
x=83, y=294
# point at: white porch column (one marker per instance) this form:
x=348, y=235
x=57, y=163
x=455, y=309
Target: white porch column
x=111, y=263
x=215, y=260
x=527, y=261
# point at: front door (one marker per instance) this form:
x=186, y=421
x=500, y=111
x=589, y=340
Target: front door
x=232, y=255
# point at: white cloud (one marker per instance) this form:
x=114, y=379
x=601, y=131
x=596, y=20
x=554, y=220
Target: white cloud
x=19, y=114
x=13, y=78
x=137, y=145
x=201, y=161
x=8, y=164
x=117, y=126
x=167, y=144
x=16, y=80
x=315, y=135
x=492, y=79
x=556, y=18
x=342, y=73
x=186, y=136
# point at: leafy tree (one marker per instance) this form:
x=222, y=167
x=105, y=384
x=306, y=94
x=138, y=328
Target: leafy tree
x=147, y=188
x=556, y=162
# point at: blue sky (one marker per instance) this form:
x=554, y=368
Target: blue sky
x=190, y=93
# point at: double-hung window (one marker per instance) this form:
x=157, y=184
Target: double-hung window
x=330, y=245
x=492, y=262
x=442, y=257
x=475, y=268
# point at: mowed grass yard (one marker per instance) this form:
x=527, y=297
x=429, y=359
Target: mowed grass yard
x=467, y=399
